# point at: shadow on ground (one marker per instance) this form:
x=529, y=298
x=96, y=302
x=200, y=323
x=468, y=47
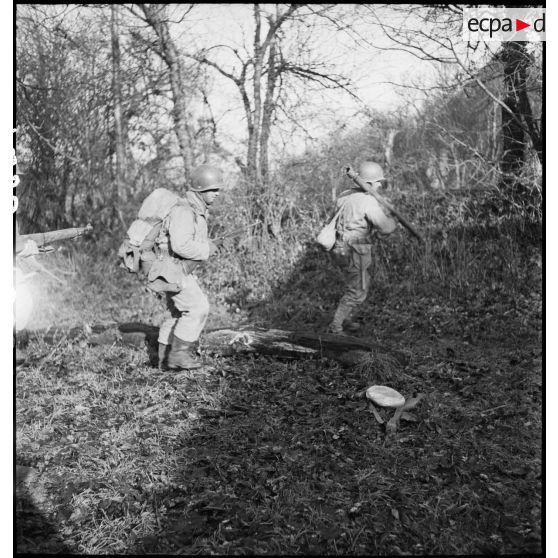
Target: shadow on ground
x=288, y=459
x=35, y=531
x=307, y=297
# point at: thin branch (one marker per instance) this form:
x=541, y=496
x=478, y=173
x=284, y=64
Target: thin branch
x=54, y=148
x=205, y=60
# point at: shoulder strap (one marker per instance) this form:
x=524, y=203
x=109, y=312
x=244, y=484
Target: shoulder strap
x=165, y=223
x=336, y=216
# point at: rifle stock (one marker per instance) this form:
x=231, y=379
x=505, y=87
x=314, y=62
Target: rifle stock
x=367, y=188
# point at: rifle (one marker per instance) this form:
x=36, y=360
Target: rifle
x=367, y=188
x=191, y=265
x=42, y=239
x=220, y=239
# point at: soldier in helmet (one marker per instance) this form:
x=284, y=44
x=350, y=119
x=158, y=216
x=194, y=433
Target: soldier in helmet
x=360, y=217
x=183, y=241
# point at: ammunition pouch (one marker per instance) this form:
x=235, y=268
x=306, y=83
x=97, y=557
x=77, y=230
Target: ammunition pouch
x=164, y=272
x=164, y=275
x=159, y=285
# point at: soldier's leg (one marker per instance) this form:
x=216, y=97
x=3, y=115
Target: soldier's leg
x=166, y=330
x=193, y=306
x=348, y=301
x=357, y=287
x=363, y=261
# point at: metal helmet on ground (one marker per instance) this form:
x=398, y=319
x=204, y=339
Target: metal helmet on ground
x=370, y=171
x=206, y=177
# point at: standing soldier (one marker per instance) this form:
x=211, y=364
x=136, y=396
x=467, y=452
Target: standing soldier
x=360, y=215
x=182, y=243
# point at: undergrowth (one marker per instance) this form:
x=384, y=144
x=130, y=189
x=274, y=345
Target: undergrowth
x=255, y=455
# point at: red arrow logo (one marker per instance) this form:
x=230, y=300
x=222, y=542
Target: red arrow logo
x=520, y=25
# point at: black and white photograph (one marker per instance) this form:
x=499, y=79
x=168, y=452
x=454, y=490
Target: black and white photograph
x=278, y=279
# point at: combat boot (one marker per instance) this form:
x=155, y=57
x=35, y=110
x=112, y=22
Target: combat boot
x=341, y=314
x=182, y=355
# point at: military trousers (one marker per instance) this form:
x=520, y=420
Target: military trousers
x=357, y=258
x=188, y=310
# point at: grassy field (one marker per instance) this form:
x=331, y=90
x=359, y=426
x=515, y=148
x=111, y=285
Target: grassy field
x=255, y=455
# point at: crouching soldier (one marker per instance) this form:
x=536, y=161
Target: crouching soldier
x=360, y=217
x=182, y=243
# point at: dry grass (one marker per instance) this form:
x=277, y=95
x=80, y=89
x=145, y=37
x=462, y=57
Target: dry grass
x=258, y=456
x=378, y=367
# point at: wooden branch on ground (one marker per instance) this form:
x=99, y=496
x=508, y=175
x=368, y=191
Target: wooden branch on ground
x=226, y=342
x=293, y=344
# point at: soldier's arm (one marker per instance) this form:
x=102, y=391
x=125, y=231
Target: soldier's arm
x=378, y=217
x=181, y=235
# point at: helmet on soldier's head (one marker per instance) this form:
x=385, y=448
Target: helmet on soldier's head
x=370, y=171
x=206, y=177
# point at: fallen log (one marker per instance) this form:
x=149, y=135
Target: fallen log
x=53, y=335
x=284, y=342
x=275, y=342
x=226, y=342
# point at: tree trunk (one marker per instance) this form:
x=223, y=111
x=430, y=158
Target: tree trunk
x=119, y=192
x=169, y=53
x=525, y=109
x=253, y=161
x=268, y=110
x=516, y=61
x=388, y=151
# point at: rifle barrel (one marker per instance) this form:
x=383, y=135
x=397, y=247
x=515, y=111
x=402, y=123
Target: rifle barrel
x=234, y=233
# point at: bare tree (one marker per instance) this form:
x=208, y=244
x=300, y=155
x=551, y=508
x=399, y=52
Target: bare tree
x=518, y=123
x=92, y=116
x=62, y=92
x=120, y=191
x=263, y=72
x=157, y=18
x=433, y=34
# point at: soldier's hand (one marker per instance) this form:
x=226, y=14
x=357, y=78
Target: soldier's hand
x=213, y=248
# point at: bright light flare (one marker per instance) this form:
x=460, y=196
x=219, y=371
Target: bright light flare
x=23, y=304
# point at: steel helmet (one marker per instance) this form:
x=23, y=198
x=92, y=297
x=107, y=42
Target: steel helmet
x=206, y=177
x=370, y=171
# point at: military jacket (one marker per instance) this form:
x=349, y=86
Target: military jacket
x=360, y=214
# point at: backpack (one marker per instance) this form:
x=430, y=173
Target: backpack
x=138, y=250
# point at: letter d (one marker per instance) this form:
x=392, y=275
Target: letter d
x=539, y=24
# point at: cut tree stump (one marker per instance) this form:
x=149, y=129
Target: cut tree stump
x=226, y=342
